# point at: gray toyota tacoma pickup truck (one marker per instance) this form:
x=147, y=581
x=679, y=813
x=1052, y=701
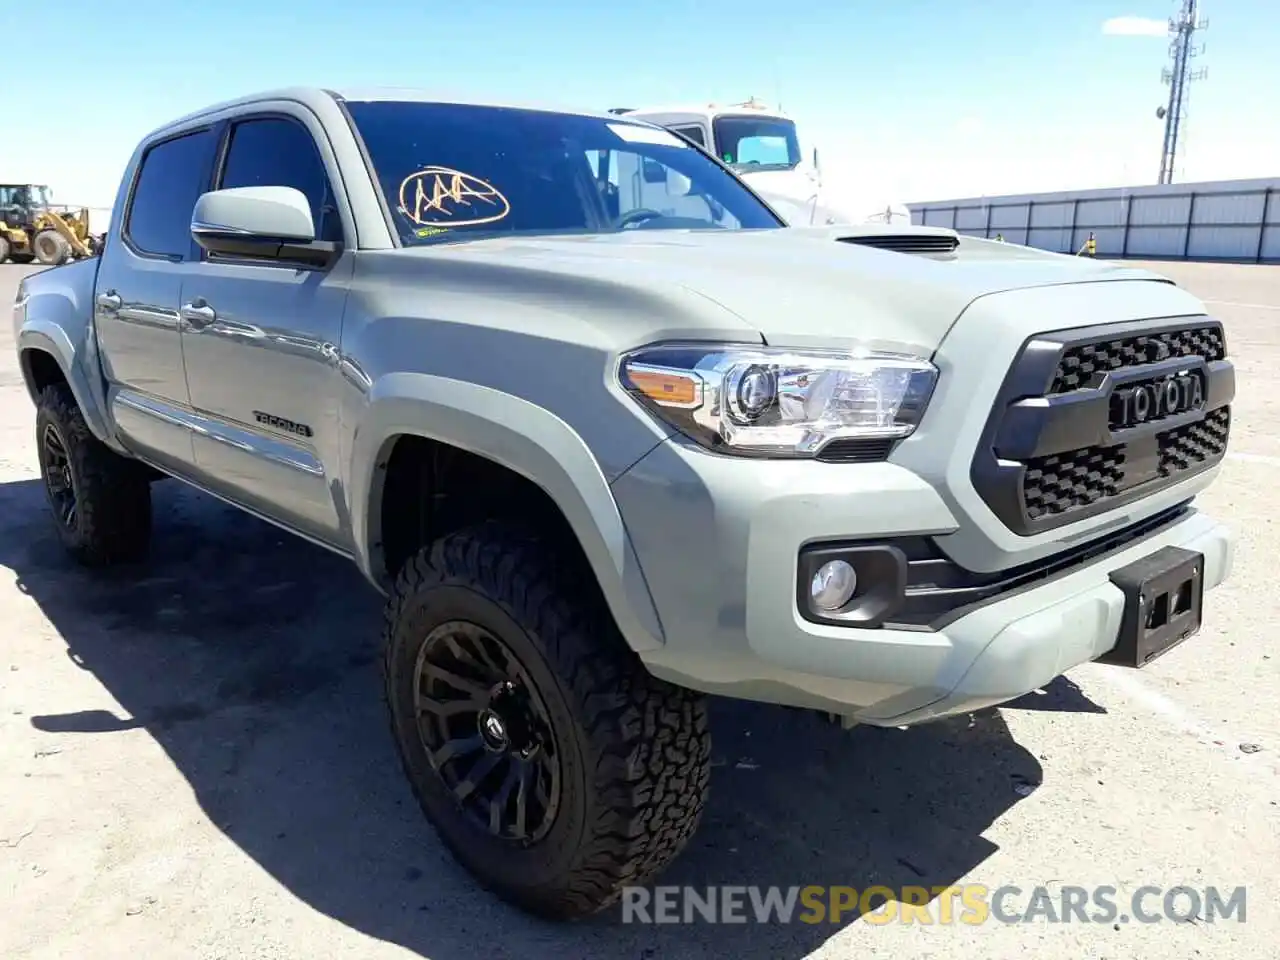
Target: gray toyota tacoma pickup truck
x=605, y=459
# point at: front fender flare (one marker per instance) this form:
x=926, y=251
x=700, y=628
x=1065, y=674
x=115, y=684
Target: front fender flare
x=519, y=436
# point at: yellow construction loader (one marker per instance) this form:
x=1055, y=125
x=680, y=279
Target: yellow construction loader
x=32, y=228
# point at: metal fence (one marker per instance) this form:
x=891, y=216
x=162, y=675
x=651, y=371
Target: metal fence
x=1237, y=221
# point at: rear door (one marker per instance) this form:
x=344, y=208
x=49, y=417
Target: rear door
x=137, y=298
x=261, y=338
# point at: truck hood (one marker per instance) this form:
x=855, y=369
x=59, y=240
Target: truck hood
x=796, y=287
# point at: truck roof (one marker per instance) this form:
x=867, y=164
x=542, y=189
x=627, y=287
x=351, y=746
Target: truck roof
x=314, y=97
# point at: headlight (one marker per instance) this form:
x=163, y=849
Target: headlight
x=761, y=401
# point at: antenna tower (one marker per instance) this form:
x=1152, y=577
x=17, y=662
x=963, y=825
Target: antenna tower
x=1182, y=50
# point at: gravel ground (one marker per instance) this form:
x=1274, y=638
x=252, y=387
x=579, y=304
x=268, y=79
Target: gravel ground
x=196, y=764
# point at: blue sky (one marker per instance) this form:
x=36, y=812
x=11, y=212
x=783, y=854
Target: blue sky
x=920, y=99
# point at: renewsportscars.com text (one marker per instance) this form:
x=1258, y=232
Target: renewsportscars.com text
x=968, y=904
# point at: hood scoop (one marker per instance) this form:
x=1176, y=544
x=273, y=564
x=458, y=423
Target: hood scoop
x=938, y=242
x=909, y=243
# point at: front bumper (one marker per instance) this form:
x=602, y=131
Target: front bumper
x=718, y=537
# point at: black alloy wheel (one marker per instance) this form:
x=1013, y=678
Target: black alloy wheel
x=487, y=732
x=59, y=480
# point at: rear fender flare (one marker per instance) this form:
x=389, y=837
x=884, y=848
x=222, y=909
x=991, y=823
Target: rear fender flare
x=52, y=338
x=522, y=437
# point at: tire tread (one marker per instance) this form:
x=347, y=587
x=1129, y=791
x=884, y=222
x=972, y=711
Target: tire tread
x=648, y=739
x=113, y=494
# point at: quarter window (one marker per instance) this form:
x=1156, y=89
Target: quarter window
x=275, y=152
x=174, y=173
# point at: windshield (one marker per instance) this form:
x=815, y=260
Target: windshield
x=458, y=172
x=757, y=143
x=25, y=195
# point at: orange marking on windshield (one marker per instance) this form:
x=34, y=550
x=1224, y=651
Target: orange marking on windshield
x=442, y=196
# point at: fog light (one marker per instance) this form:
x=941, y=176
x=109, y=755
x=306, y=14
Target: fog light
x=833, y=585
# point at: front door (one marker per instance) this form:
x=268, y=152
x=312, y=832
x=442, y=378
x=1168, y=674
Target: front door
x=261, y=345
x=137, y=297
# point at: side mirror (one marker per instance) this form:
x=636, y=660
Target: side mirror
x=260, y=223
x=654, y=172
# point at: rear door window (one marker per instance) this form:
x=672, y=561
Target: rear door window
x=174, y=174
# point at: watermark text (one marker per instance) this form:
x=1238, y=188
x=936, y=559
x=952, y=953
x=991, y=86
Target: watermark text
x=966, y=904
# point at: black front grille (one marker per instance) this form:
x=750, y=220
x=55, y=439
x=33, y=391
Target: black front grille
x=1085, y=365
x=1076, y=478
x=908, y=243
x=1187, y=447
x=1089, y=420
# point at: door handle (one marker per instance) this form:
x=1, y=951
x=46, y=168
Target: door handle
x=109, y=300
x=198, y=314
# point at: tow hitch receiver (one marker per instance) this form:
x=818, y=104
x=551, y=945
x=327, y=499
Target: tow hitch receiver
x=1163, y=594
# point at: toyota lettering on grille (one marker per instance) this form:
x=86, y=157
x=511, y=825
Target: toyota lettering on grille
x=1156, y=400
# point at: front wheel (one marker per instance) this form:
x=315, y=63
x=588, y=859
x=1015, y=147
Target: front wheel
x=554, y=767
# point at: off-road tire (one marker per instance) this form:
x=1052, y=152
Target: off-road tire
x=51, y=248
x=112, y=519
x=5, y=247
x=635, y=750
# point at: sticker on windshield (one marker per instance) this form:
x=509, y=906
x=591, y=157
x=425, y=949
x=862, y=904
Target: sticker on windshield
x=634, y=133
x=444, y=197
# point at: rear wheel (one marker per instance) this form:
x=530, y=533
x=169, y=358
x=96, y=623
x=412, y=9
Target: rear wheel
x=51, y=248
x=555, y=768
x=4, y=249
x=101, y=501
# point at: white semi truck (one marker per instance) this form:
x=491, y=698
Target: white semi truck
x=763, y=147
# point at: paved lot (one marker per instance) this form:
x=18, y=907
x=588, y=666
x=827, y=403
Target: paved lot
x=196, y=764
